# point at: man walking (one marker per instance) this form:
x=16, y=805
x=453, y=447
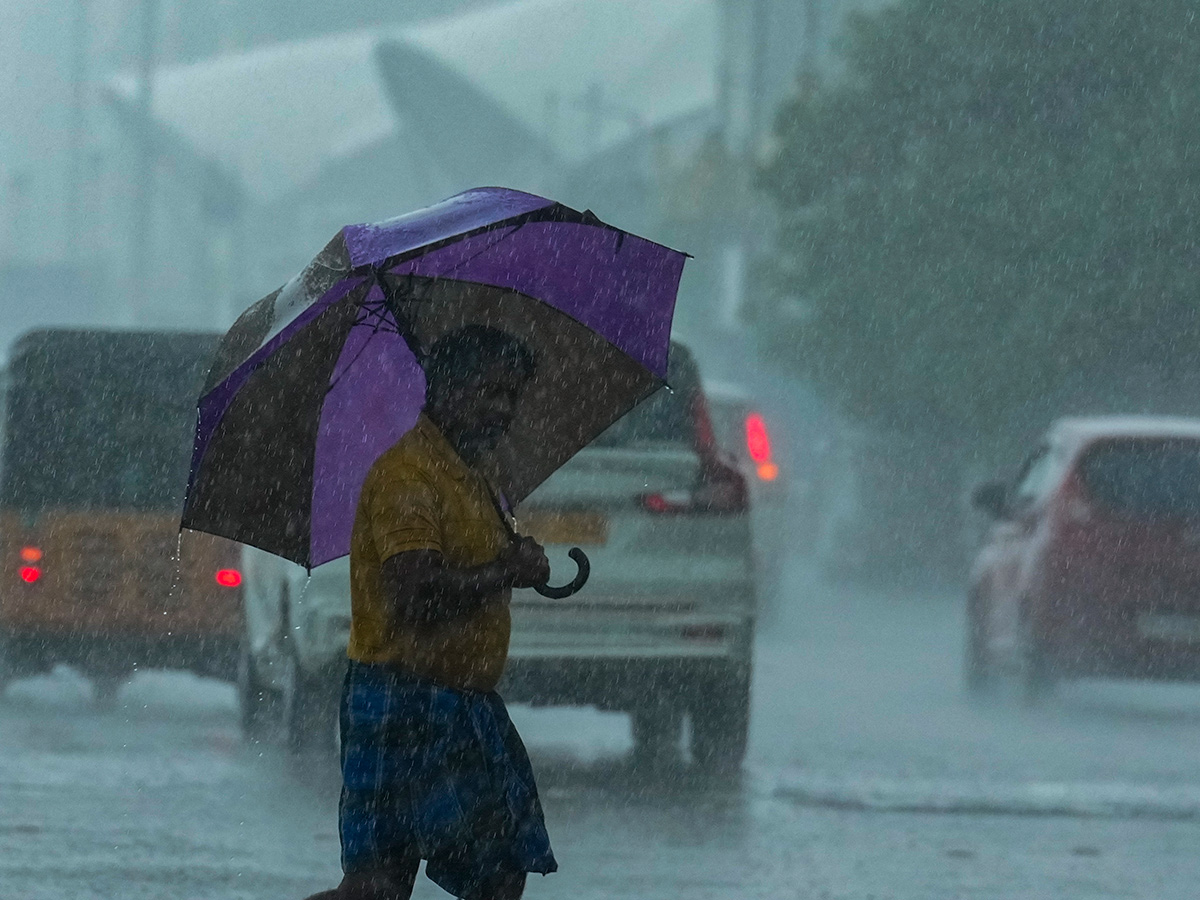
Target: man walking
x=432, y=767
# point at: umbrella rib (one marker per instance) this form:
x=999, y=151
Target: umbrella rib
x=375, y=315
x=512, y=229
x=504, y=237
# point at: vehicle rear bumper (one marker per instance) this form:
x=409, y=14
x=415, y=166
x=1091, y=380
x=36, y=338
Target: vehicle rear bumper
x=1125, y=641
x=30, y=652
x=615, y=683
x=1122, y=621
x=608, y=631
x=1152, y=661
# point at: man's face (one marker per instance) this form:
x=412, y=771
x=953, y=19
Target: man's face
x=479, y=408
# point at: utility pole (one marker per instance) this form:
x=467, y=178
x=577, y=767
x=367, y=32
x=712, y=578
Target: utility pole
x=141, y=239
x=813, y=39
x=75, y=204
x=760, y=36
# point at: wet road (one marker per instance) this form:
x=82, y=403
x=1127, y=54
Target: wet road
x=869, y=777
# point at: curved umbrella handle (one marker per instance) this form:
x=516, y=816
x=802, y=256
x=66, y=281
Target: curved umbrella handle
x=580, y=579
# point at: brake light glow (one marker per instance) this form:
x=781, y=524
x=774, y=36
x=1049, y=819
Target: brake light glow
x=758, y=442
x=30, y=574
x=229, y=578
x=758, y=445
x=30, y=554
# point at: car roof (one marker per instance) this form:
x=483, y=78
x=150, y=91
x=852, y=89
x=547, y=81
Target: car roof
x=1079, y=431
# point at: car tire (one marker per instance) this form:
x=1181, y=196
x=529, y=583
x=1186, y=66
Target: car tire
x=977, y=665
x=720, y=723
x=258, y=704
x=1035, y=670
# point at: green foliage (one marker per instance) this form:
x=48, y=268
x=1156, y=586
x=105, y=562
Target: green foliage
x=998, y=197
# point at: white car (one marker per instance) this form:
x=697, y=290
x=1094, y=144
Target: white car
x=663, y=630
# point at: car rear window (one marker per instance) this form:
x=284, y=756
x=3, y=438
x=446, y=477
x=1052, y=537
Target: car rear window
x=102, y=420
x=664, y=419
x=729, y=422
x=1145, y=477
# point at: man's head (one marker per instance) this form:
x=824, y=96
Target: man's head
x=474, y=377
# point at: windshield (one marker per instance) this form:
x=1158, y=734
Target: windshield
x=667, y=418
x=1145, y=478
x=97, y=420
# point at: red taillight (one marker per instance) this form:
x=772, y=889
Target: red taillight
x=758, y=445
x=229, y=578
x=667, y=502
x=30, y=574
x=31, y=554
x=758, y=442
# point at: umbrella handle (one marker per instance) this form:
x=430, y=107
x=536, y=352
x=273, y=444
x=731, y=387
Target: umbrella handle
x=580, y=579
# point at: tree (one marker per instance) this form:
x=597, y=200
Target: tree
x=999, y=201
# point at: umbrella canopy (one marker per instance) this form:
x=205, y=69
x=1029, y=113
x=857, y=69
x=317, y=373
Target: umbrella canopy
x=317, y=379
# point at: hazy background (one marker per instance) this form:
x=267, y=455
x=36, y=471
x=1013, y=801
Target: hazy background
x=272, y=124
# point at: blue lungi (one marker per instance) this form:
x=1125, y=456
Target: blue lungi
x=439, y=773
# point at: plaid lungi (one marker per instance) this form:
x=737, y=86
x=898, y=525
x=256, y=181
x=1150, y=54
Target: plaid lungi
x=439, y=773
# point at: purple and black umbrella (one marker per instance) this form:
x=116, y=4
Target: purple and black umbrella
x=317, y=379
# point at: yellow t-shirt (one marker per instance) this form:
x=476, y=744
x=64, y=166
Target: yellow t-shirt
x=420, y=495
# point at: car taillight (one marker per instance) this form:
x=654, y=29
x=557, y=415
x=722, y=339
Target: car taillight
x=667, y=502
x=29, y=556
x=758, y=442
x=229, y=578
x=758, y=445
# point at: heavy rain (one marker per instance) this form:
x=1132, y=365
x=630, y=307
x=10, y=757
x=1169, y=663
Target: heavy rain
x=882, y=504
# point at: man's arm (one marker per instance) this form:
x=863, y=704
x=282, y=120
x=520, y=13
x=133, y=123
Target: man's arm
x=425, y=590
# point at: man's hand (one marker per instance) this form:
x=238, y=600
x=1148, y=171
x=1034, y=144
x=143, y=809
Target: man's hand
x=426, y=590
x=526, y=563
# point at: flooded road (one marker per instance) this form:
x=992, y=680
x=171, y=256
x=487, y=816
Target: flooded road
x=870, y=776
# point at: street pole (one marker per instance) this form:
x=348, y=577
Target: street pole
x=812, y=39
x=760, y=36
x=75, y=205
x=141, y=242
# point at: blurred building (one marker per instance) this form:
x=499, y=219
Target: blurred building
x=274, y=123
x=309, y=135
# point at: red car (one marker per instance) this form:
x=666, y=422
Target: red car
x=1092, y=565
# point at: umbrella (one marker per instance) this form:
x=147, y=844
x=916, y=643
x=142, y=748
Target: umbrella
x=317, y=379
